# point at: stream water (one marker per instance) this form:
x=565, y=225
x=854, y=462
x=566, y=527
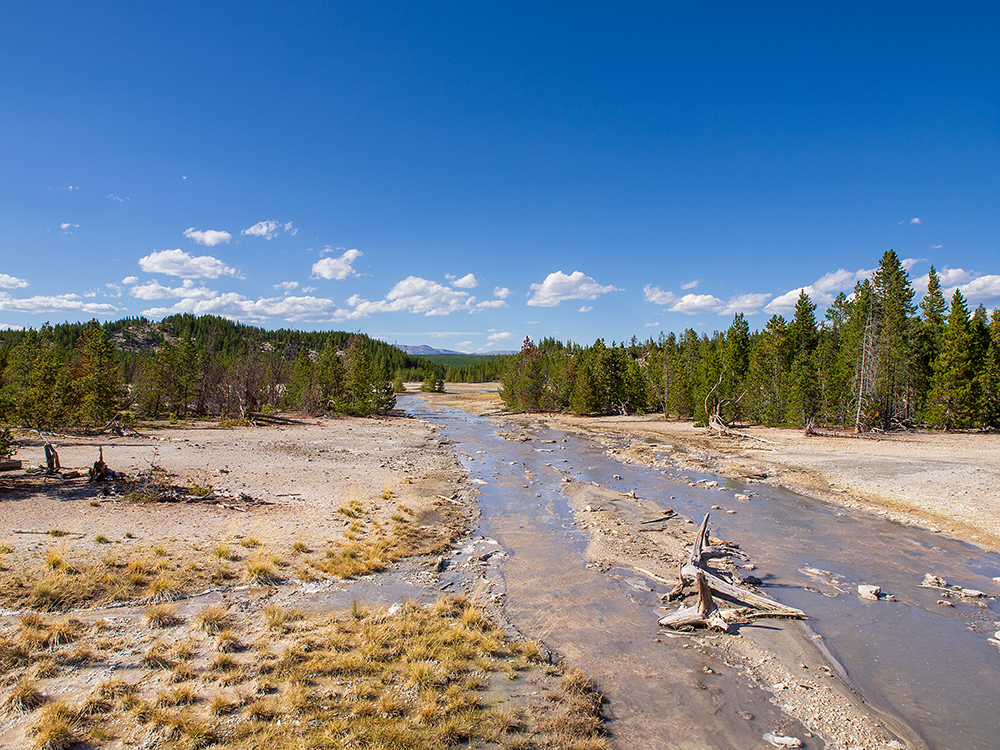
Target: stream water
x=925, y=665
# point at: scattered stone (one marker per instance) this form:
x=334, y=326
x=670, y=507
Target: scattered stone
x=745, y=715
x=715, y=507
x=731, y=512
x=945, y=602
x=934, y=582
x=973, y=593
x=711, y=484
x=779, y=740
x=741, y=497
x=996, y=580
x=867, y=591
x=618, y=477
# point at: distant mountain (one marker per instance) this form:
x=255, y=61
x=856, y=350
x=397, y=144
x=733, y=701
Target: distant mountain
x=425, y=351
x=429, y=351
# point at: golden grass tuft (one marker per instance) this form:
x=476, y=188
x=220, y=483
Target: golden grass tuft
x=55, y=728
x=24, y=697
x=214, y=619
x=162, y=616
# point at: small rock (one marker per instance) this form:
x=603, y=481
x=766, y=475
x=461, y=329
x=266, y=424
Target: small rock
x=711, y=484
x=945, y=603
x=745, y=715
x=752, y=581
x=779, y=740
x=934, y=581
x=996, y=580
x=618, y=477
x=973, y=593
x=867, y=591
x=731, y=512
x=741, y=497
x=715, y=507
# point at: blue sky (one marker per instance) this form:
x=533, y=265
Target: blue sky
x=465, y=174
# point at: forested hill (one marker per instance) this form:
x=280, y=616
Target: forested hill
x=875, y=361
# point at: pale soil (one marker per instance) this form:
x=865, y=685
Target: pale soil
x=276, y=497
x=943, y=481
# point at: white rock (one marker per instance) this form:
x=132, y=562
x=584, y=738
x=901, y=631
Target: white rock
x=867, y=591
x=779, y=740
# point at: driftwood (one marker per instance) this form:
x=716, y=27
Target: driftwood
x=255, y=416
x=52, y=465
x=696, y=570
x=101, y=472
x=10, y=465
x=661, y=518
x=705, y=614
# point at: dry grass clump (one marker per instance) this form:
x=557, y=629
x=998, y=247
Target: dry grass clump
x=162, y=616
x=261, y=573
x=24, y=697
x=415, y=677
x=214, y=619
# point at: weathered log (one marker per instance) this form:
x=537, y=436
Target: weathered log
x=10, y=465
x=255, y=416
x=749, y=598
x=705, y=614
x=661, y=518
x=52, y=465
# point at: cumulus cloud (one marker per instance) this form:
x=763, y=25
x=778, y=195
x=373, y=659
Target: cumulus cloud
x=822, y=291
x=696, y=304
x=982, y=288
x=490, y=304
x=651, y=325
x=748, y=304
x=187, y=290
x=690, y=284
x=11, y=282
x=287, y=286
x=66, y=226
x=269, y=229
x=909, y=263
x=336, y=268
x=950, y=279
x=116, y=291
x=466, y=282
x=501, y=292
x=62, y=303
x=208, y=237
x=237, y=307
x=500, y=336
x=915, y=220
x=657, y=296
x=413, y=294
x=179, y=263
x=936, y=247
x=558, y=287
x=585, y=308
x=130, y=279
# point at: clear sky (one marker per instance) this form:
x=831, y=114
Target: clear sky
x=464, y=174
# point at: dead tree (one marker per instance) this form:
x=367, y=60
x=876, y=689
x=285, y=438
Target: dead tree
x=696, y=570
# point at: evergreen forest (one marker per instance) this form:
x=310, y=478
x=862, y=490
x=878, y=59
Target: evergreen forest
x=876, y=361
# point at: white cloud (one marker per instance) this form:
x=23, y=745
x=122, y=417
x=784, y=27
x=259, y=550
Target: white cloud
x=238, y=307
x=336, y=268
x=652, y=325
x=208, y=237
x=501, y=336
x=585, y=308
x=982, y=288
x=690, y=284
x=130, y=279
x=749, y=304
x=466, y=282
x=936, y=247
x=113, y=197
x=61, y=303
x=11, y=282
x=657, y=296
x=187, y=290
x=915, y=220
x=115, y=289
x=287, y=286
x=822, y=292
x=490, y=304
x=909, y=263
x=269, y=229
x=179, y=263
x=67, y=225
x=696, y=304
x=266, y=229
x=9, y=327
x=413, y=294
x=464, y=345
x=559, y=287
x=501, y=292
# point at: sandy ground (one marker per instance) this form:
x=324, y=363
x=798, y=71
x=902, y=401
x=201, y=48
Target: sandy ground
x=944, y=482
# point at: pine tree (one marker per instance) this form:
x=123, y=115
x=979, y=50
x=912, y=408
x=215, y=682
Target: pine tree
x=955, y=400
x=991, y=374
x=802, y=339
x=894, y=379
x=36, y=379
x=99, y=385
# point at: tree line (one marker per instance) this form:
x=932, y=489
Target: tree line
x=85, y=375
x=876, y=361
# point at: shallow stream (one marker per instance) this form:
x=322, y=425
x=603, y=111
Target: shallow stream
x=925, y=666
